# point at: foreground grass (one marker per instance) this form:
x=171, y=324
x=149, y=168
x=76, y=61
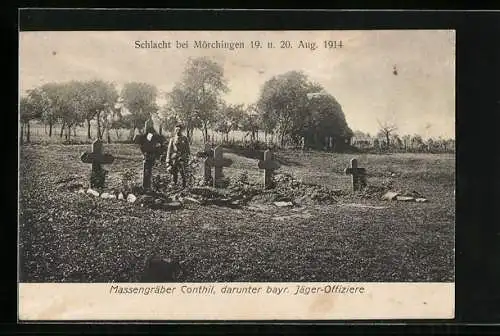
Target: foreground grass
x=70, y=237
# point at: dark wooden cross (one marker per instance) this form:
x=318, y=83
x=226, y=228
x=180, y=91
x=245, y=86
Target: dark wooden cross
x=218, y=161
x=358, y=175
x=97, y=158
x=151, y=145
x=269, y=165
x=207, y=168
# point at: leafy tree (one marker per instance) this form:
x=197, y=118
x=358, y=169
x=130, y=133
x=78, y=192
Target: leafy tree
x=283, y=102
x=27, y=112
x=140, y=100
x=70, y=105
x=294, y=106
x=406, y=141
x=417, y=142
x=229, y=119
x=99, y=97
x=47, y=97
x=197, y=97
x=326, y=119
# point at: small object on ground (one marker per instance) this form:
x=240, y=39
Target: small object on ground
x=161, y=270
x=131, y=198
x=283, y=204
x=421, y=200
x=390, y=195
x=92, y=192
x=405, y=198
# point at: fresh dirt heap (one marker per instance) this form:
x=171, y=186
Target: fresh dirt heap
x=288, y=191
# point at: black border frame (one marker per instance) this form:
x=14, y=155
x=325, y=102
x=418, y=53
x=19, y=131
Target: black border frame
x=477, y=100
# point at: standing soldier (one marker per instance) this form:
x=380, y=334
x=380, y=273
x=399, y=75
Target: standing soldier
x=178, y=155
x=151, y=144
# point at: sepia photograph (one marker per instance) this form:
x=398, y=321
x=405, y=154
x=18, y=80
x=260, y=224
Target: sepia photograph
x=237, y=157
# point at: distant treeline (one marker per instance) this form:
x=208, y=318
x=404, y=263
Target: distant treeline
x=291, y=110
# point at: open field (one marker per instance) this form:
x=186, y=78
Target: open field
x=71, y=237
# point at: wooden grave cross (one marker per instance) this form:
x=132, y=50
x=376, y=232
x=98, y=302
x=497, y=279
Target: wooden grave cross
x=97, y=158
x=269, y=165
x=218, y=161
x=150, y=145
x=207, y=168
x=358, y=175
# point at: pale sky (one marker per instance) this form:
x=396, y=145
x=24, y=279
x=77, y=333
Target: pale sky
x=420, y=99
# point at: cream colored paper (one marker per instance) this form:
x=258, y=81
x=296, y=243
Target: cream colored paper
x=119, y=56
x=103, y=302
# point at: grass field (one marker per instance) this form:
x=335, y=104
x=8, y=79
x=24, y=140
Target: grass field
x=70, y=237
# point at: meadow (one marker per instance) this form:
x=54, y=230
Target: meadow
x=66, y=236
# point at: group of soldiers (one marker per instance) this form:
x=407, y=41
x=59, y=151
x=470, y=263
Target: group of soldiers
x=175, y=154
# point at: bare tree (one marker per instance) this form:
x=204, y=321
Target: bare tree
x=386, y=129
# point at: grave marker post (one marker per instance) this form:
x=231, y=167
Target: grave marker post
x=358, y=175
x=150, y=145
x=269, y=165
x=97, y=158
x=218, y=162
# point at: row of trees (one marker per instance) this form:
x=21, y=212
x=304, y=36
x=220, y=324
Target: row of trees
x=74, y=103
x=387, y=139
x=285, y=107
x=290, y=108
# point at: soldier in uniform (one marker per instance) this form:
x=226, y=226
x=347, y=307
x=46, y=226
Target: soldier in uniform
x=178, y=155
x=151, y=147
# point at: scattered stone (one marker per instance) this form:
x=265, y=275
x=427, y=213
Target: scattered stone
x=421, y=200
x=390, y=195
x=283, y=204
x=81, y=191
x=131, y=198
x=105, y=195
x=120, y=196
x=405, y=198
x=92, y=192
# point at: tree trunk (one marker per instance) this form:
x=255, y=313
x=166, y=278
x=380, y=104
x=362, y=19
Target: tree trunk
x=68, y=132
x=45, y=128
x=50, y=129
x=21, y=139
x=205, y=133
x=28, y=131
x=99, y=134
x=89, y=133
x=74, y=131
x=387, y=140
x=62, y=129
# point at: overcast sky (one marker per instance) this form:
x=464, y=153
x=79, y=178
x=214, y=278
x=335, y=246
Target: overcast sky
x=420, y=99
